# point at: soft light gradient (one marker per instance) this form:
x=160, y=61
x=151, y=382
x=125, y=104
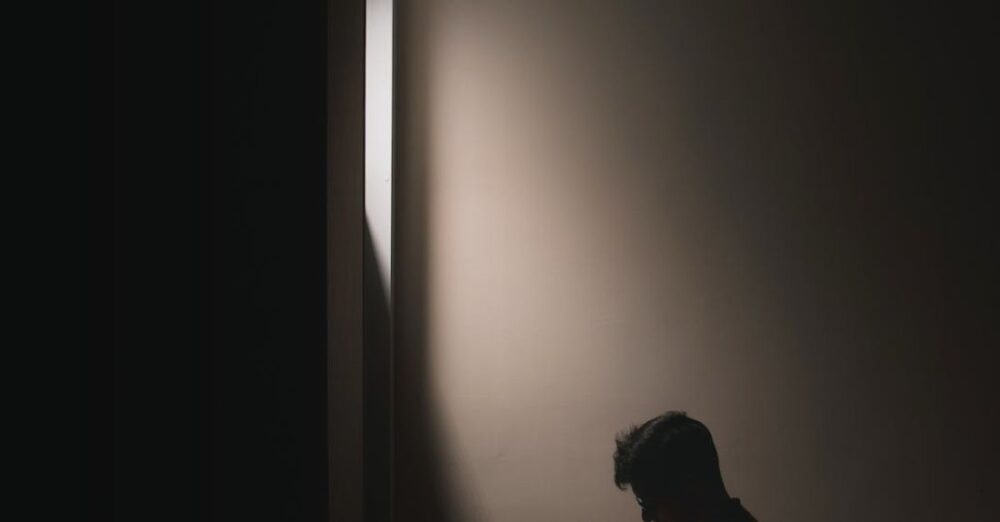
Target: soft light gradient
x=611, y=209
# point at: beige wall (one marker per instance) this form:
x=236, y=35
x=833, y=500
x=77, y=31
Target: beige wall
x=610, y=209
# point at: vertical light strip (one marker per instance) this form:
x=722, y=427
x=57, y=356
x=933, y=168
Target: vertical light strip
x=377, y=295
x=378, y=134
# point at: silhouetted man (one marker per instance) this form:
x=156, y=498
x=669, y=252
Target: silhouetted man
x=671, y=463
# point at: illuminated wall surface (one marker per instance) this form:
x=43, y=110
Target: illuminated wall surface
x=610, y=209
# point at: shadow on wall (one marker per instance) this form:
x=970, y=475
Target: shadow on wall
x=377, y=368
x=422, y=487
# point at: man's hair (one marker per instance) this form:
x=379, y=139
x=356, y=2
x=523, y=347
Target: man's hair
x=666, y=455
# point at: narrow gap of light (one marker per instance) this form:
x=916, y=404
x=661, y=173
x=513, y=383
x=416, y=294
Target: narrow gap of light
x=378, y=133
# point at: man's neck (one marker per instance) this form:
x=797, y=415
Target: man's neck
x=729, y=510
x=716, y=509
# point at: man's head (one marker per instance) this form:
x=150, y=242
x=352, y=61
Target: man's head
x=672, y=466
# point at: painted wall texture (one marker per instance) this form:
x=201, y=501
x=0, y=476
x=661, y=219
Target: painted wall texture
x=606, y=210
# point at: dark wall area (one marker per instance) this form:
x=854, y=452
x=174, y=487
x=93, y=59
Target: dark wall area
x=220, y=261
x=268, y=255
